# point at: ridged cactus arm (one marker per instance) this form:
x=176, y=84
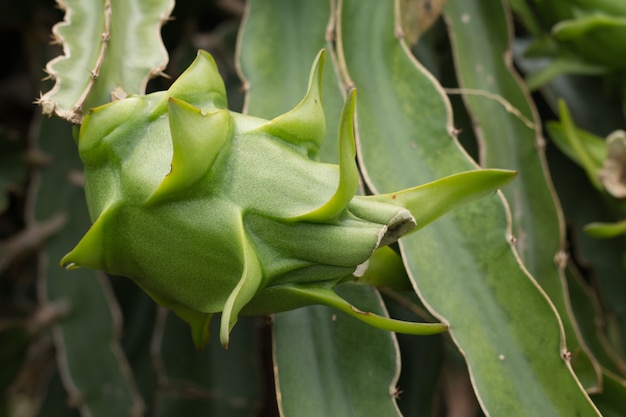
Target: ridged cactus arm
x=101, y=59
x=74, y=72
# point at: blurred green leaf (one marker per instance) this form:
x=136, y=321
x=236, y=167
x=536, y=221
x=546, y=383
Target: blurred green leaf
x=596, y=37
x=584, y=148
x=606, y=230
x=562, y=63
x=571, y=142
x=593, y=106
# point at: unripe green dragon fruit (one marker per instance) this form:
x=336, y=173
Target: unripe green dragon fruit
x=213, y=211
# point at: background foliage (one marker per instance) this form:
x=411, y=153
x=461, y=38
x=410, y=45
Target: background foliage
x=536, y=305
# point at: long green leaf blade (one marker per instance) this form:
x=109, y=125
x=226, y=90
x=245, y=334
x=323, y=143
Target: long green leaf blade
x=462, y=264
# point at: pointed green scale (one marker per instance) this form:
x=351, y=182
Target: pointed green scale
x=348, y=170
x=91, y=250
x=432, y=200
x=197, y=139
x=305, y=125
x=247, y=287
x=198, y=321
x=200, y=85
